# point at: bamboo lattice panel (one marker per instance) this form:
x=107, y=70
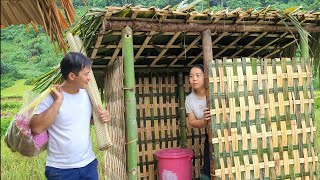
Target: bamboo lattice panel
x=158, y=121
x=115, y=157
x=263, y=119
x=157, y=109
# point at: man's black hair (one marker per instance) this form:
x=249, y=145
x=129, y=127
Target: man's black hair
x=200, y=66
x=73, y=62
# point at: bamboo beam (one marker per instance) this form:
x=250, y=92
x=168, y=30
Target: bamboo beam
x=130, y=103
x=185, y=50
x=166, y=48
x=177, y=27
x=233, y=42
x=249, y=44
x=304, y=46
x=254, y=53
x=145, y=43
x=96, y=46
x=194, y=59
x=207, y=56
x=139, y=33
x=272, y=53
x=179, y=47
x=145, y=57
x=182, y=111
x=115, y=54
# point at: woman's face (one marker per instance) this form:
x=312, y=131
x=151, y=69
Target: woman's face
x=196, y=78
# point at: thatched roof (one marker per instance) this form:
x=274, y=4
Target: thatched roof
x=171, y=38
x=42, y=12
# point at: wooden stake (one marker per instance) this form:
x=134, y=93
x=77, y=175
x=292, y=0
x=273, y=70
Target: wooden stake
x=207, y=56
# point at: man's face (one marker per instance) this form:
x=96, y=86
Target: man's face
x=82, y=79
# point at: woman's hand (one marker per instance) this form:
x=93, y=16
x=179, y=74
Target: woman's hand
x=207, y=116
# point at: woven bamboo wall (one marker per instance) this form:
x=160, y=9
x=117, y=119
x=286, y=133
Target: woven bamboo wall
x=115, y=157
x=158, y=121
x=263, y=119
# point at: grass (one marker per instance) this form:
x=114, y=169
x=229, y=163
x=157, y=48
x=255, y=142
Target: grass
x=17, y=90
x=15, y=166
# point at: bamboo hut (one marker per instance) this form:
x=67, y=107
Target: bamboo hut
x=157, y=47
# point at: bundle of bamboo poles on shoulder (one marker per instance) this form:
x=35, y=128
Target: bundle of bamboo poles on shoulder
x=101, y=130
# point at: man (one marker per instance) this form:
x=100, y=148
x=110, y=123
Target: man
x=66, y=113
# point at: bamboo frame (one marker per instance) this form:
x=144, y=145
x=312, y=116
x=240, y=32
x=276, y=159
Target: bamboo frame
x=304, y=45
x=182, y=111
x=130, y=103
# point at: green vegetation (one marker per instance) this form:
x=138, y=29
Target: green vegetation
x=17, y=90
x=15, y=166
x=25, y=54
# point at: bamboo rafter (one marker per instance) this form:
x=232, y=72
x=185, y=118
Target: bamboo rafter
x=249, y=44
x=232, y=43
x=115, y=54
x=267, y=45
x=145, y=43
x=279, y=49
x=185, y=50
x=96, y=46
x=166, y=48
x=213, y=43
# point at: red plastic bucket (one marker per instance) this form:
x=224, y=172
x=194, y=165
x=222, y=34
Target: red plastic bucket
x=174, y=164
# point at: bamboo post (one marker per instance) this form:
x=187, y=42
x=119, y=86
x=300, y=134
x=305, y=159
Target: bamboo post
x=182, y=112
x=207, y=56
x=304, y=46
x=130, y=101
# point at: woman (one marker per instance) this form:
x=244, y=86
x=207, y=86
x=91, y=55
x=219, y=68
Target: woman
x=198, y=113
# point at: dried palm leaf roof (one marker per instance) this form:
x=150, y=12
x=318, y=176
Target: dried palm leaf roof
x=42, y=12
x=171, y=38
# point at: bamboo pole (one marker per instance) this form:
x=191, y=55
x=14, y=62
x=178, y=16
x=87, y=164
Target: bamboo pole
x=182, y=112
x=304, y=46
x=207, y=56
x=130, y=102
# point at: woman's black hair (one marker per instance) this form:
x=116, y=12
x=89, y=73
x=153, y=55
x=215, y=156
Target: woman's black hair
x=200, y=66
x=73, y=62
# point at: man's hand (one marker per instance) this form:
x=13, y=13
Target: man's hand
x=104, y=115
x=56, y=93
